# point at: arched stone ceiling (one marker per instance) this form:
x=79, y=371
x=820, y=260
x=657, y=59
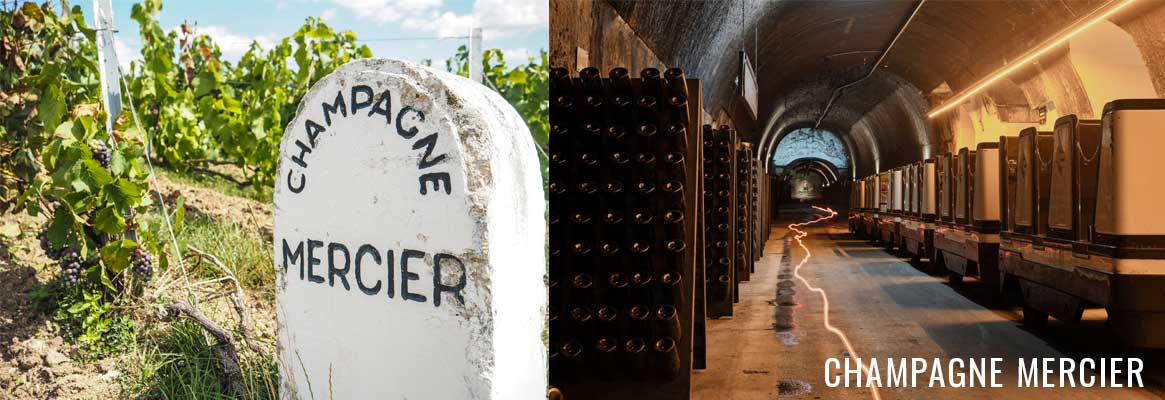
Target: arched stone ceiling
x=961, y=42
x=816, y=143
x=805, y=49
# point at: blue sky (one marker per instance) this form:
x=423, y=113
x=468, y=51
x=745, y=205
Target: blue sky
x=518, y=27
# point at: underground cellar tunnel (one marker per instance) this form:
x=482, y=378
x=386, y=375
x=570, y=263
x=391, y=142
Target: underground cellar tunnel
x=981, y=177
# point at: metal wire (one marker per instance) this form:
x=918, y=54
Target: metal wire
x=148, y=145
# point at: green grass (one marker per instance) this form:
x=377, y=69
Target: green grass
x=178, y=363
x=243, y=250
x=175, y=360
x=216, y=183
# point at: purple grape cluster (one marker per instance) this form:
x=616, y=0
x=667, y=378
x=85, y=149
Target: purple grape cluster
x=70, y=266
x=100, y=153
x=47, y=246
x=143, y=263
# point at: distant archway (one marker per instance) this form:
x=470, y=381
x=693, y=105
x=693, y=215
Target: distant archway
x=829, y=172
x=809, y=143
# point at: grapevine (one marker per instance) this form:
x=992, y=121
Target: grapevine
x=58, y=159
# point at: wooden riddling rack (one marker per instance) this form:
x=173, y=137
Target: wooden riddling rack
x=744, y=214
x=733, y=238
x=760, y=229
x=654, y=220
x=720, y=224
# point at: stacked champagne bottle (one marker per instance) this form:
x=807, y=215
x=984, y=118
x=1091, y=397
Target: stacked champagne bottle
x=744, y=213
x=758, y=227
x=618, y=221
x=719, y=231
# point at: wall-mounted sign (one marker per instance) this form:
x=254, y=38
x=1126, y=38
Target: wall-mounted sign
x=748, y=88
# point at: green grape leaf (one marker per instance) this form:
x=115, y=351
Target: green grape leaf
x=64, y=163
x=61, y=229
x=105, y=281
x=95, y=174
x=78, y=201
x=232, y=106
x=50, y=154
x=179, y=213
x=517, y=77
x=82, y=127
x=109, y=221
x=204, y=83
x=117, y=163
x=27, y=199
x=79, y=185
x=320, y=32
x=132, y=132
x=123, y=193
x=78, y=307
x=51, y=107
x=116, y=255
x=258, y=129
x=163, y=260
x=64, y=128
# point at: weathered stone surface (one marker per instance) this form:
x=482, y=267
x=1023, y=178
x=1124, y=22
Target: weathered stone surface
x=409, y=241
x=810, y=143
x=596, y=28
x=54, y=358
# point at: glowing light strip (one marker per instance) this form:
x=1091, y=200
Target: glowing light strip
x=853, y=354
x=1031, y=57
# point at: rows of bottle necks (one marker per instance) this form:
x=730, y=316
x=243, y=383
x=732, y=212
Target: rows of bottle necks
x=639, y=196
x=615, y=258
x=621, y=222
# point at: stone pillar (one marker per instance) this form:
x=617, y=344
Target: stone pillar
x=409, y=241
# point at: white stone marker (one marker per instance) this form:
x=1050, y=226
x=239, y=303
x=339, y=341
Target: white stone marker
x=409, y=241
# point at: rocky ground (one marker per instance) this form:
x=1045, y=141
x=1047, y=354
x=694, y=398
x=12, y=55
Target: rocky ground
x=35, y=362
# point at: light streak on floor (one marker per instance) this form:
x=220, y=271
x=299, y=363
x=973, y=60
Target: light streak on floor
x=853, y=354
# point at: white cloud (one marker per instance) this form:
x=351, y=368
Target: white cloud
x=517, y=56
x=508, y=17
x=234, y=45
x=328, y=15
x=443, y=24
x=497, y=18
x=126, y=53
x=382, y=11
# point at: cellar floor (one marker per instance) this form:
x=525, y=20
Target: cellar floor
x=776, y=344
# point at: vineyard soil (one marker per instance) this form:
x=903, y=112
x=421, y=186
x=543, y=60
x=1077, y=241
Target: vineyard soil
x=212, y=203
x=36, y=362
